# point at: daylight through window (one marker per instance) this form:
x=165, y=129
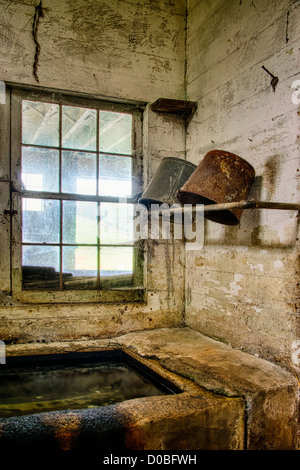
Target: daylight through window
x=76, y=177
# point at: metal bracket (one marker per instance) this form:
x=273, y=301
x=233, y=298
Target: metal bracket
x=10, y=212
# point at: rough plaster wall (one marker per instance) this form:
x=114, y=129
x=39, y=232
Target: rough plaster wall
x=242, y=287
x=132, y=50
x=127, y=49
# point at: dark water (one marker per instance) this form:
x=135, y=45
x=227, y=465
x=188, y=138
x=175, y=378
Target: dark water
x=26, y=390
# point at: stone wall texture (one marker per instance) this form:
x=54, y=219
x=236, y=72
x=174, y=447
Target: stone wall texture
x=243, y=286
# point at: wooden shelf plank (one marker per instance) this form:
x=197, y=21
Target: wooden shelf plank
x=179, y=107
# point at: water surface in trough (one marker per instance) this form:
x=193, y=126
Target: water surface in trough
x=33, y=389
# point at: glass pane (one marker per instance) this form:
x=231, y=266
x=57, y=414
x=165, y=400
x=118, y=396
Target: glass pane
x=116, y=223
x=78, y=173
x=40, y=221
x=40, y=123
x=116, y=266
x=115, y=132
x=115, y=176
x=40, y=267
x=80, y=267
x=80, y=222
x=79, y=128
x=40, y=169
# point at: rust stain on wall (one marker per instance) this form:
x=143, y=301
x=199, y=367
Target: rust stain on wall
x=270, y=174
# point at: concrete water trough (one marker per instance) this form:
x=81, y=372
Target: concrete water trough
x=176, y=414
x=214, y=398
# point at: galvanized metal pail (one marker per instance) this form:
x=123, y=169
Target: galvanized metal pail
x=171, y=174
x=219, y=178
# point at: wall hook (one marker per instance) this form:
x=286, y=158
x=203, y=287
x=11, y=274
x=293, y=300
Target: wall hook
x=274, y=80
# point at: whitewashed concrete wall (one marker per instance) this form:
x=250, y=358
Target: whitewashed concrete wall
x=132, y=50
x=243, y=286
x=127, y=49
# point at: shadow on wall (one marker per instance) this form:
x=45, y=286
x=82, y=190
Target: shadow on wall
x=258, y=227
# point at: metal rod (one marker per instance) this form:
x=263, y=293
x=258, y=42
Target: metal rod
x=266, y=70
x=72, y=196
x=66, y=149
x=75, y=245
x=131, y=200
x=236, y=205
x=252, y=205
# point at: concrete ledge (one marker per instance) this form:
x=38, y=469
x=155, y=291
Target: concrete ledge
x=177, y=422
x=271, y=393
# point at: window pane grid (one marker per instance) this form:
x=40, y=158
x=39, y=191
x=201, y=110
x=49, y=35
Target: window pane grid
x=78, y=244
x=98, y=204
x=112, y=169
x=99, y=152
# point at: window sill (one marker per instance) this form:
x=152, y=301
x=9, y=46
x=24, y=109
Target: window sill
x=116, y=295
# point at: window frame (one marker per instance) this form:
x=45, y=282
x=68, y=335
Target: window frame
x=115, y=294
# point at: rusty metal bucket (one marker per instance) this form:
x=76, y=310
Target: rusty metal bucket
x=171, y=174
x=219, y=178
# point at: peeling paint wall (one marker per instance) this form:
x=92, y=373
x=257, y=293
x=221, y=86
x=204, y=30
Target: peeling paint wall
x=123, y=49
x=243, y=286
x=127, y=50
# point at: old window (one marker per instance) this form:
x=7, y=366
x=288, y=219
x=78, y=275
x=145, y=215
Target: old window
x=76, y=166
